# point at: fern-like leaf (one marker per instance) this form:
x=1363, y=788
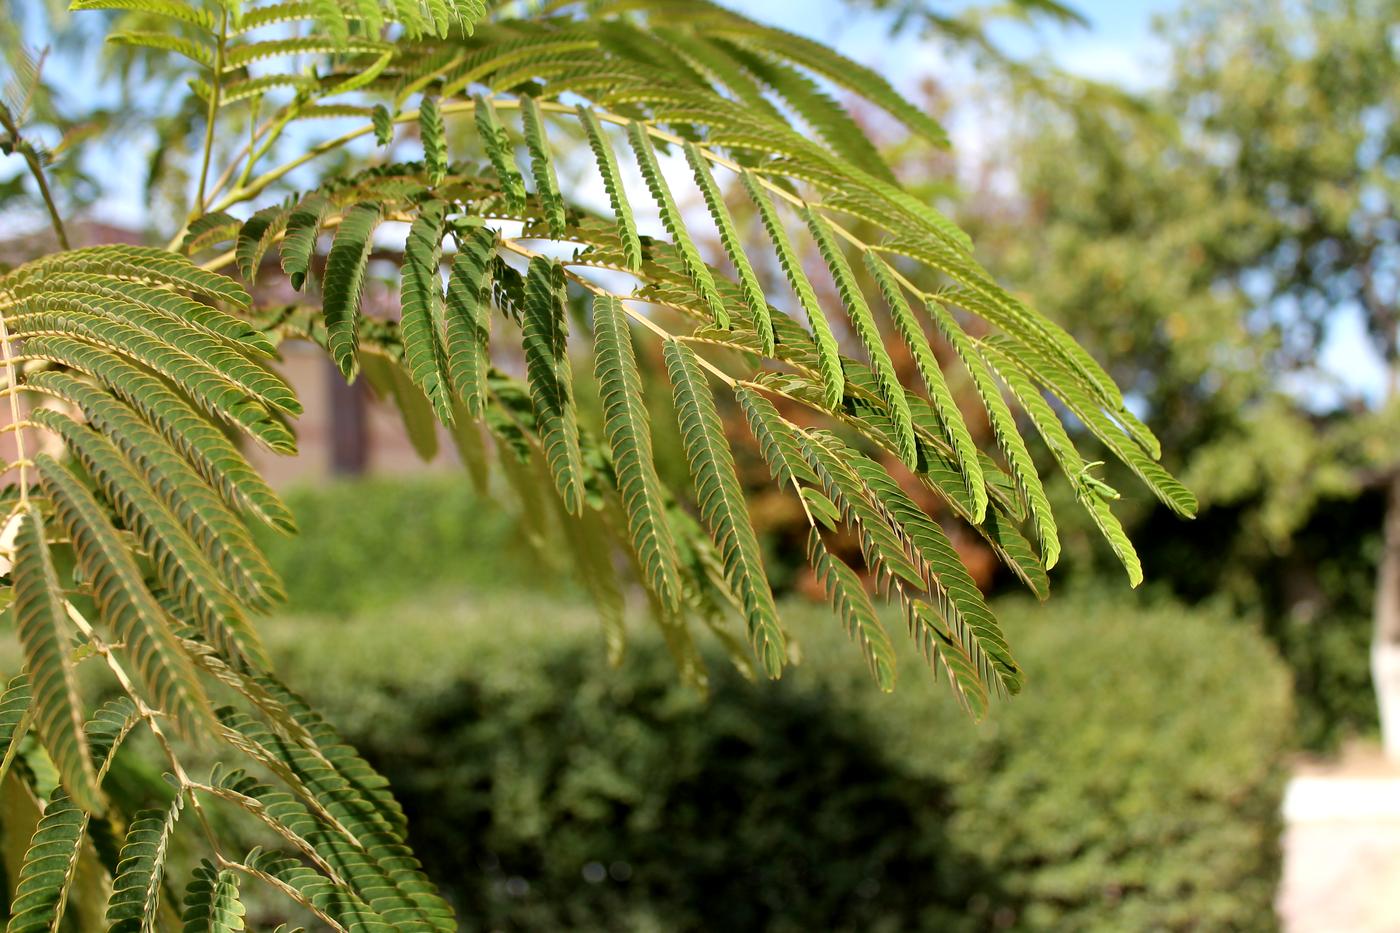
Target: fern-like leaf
x=545, y=335
x=16, y=713
x=212, y=904
x=863, y=321
x=49, y=868
x=496, y=142
x=302, y=227
x=123, y=600
x=346, y=267
x=466, y=325
x=136, y=885
x=422, y=306
x=949, y=415
x=542, y=165
x=828, y=353
x=748, y=281
x=606, y=161
x=42, y=623
x=722, y=503
x=629, y=435
x=434, y=135
x=1004, y=427
x=699, y=273
x=256, y=236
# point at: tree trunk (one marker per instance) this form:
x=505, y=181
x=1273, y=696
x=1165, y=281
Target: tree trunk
x=1385, y=640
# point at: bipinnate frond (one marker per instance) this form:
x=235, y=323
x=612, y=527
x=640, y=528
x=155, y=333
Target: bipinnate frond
x=135, y=375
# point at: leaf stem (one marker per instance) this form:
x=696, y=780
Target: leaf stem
x=215, y=94
x=31, y=158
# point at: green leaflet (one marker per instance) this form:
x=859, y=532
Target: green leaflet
x=329, y=901
x=957, y=597
x=200, y=441
x=223, y=537
x=675, y=224
x=42, y=623
x=939, y=647
x=1004, y=427
x=1047, y=370
x=256, y=236
x=496, y=141
x=137, y=263
x=839, y=70
x=733, y=247
x=209, y=230
x=383, y=125
x=179, y=562
x=180, y=345
x=136, y=886
x=629, y=435
x=863, y=321
x=545, y=343
x=722, y=505
x=107, y=729
x=346, y=266
x=783, y=453
x=344, y=759
x=194, y=16
x=888, y=548
x=542, y=165
x=949, y=415
x=16, y=712
x=197, y=52
x=123, y=601
x=302, y=226
x=848, y=597
x=828, y=353
x=211, y=902
x=776, y=440
x=155, y=302
x=885, y=547
x=434, y=136
x=246, y=54
x=217, y=394
x=421, y=303
x=465, y=327
x=344, y=828
x=606, y=161
x=832, y=123
x=1065, y=454
x=49, y=867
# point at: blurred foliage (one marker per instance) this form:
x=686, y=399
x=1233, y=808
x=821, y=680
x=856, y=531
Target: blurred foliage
x=372, y=542
x=1212, y=243
x=580, y=797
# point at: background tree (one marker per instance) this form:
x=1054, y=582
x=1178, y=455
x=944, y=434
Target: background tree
x=1219, y=247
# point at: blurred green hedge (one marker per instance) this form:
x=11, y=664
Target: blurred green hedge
x=373, y=541
x=1135, y=785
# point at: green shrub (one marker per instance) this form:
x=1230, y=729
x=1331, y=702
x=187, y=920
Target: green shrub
x=371, y=542
x=1136, y=784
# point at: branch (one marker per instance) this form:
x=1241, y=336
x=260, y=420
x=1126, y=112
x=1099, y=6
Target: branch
x=31, y=158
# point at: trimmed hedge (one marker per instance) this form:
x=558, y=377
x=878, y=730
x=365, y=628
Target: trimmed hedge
x=1135, y=785
x=371, y=542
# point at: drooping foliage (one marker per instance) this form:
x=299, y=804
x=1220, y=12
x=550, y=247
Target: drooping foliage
x=134, y=375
